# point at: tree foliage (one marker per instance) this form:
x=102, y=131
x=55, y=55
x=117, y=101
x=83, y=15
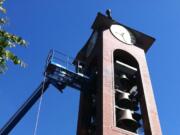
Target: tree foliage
x=7, y=41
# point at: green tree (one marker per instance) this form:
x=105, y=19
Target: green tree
x=7, y=41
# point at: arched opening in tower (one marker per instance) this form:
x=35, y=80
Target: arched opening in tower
x=127, y=89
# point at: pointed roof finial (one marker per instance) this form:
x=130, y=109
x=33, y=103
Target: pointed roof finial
x=108, y=13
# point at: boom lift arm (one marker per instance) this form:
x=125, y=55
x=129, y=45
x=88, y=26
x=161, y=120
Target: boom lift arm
x=24, y=108
x=59, y=74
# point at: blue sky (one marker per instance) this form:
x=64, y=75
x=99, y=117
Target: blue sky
x=65, y=26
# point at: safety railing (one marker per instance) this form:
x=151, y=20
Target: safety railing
x=62, y=60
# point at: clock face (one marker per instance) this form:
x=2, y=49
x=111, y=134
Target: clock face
x=122, y=34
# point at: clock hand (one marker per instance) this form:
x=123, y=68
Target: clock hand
x=123, y=36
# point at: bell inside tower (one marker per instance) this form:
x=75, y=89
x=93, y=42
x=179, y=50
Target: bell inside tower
x=127, y=92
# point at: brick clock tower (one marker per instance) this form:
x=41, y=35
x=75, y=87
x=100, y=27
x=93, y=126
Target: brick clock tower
x=119, y=99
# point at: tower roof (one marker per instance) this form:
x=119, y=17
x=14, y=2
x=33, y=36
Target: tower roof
x=103, y=22
x=143, y=41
